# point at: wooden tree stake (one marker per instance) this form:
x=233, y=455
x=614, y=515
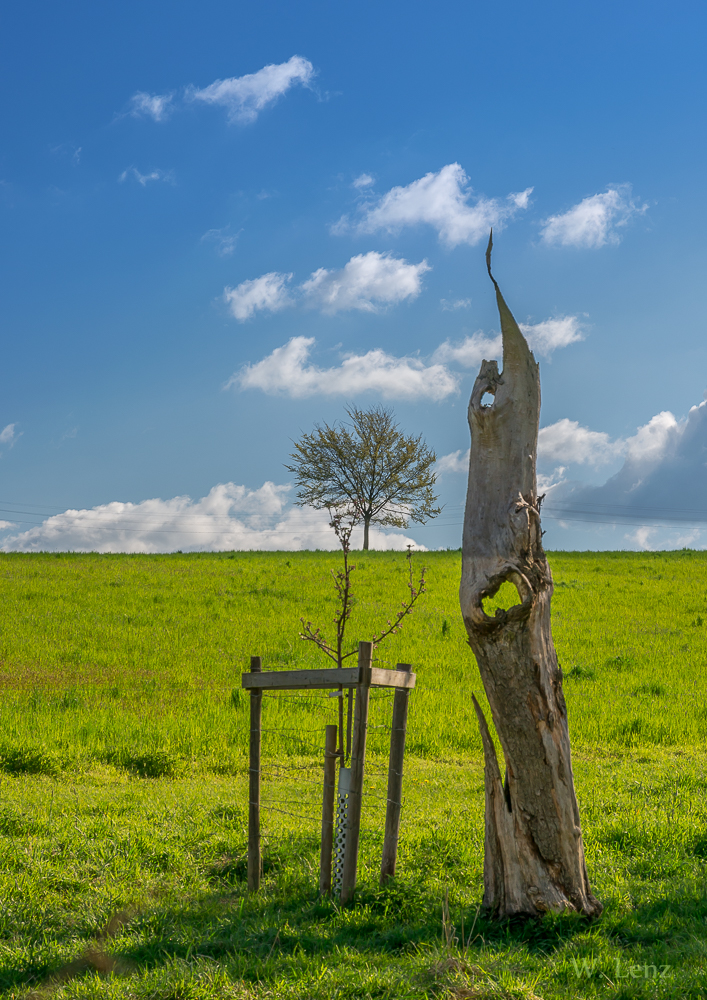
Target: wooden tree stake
x=358, y=759
x=256, y=705
x=395, y=779
x=534, y=856
x=330, y=758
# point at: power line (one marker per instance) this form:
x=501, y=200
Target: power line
x=207, y=524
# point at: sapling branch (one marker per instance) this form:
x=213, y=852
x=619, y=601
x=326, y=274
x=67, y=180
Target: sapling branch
x=415, y=593
x=343, y=528
x=343, y=525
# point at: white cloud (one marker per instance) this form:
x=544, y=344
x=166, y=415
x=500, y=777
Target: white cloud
x=594, y=221
x=545, y=483
x=566, y=441
x=642, y=537
x=362, y=181
x=8, y=435
x=441, y=200
x=543, y=338
x=367, y=282
x=154, y=175
x=229, y=517
x=448, y=306
x=244, y=97
x=650, y=442
x=456, y=461
x=655, y=500
x=287, y=371
x=268, y=292
x=224, y=240
x=471, y=351
x=155, y=106
x=652, y=539
x=551, y=334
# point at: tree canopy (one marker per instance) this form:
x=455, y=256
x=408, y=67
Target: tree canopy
x=366, y=469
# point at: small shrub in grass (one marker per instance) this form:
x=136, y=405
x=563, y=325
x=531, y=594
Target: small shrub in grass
x=580, y=673
x=699, y=846
x=231, y=763
x=650, y=690
x=227, y=869
x=637, y=732
x=157, y=763
x=28, y=759
x=69, y=699
x=13, y=824
x=619, y=662
x=235, y=817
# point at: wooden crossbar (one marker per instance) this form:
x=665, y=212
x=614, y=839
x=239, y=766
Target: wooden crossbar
x=349, y=677
x=381, y=678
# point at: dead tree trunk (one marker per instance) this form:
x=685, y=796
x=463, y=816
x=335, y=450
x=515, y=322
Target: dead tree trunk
x=534, y=855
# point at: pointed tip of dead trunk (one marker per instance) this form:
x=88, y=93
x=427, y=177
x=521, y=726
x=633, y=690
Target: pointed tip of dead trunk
x=533, y=854
x=515, y=346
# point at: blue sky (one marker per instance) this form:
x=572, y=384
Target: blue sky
x=222, y=223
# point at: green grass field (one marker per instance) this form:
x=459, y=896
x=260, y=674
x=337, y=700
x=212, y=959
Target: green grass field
x=122, y=798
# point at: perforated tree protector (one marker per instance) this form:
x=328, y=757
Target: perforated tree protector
x=342, y=818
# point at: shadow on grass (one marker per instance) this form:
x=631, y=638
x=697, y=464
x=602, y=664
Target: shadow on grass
x=288, y=925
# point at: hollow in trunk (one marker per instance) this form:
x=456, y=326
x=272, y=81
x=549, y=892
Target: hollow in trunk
x=534, y=854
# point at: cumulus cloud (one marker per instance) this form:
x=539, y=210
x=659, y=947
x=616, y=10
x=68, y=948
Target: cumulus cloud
x=471, y=351
x=455, y=461
x=654, y=539
x=369, y=282
x=363, y=181
x=287, y=371
x=650, y=442
x=566, y=441
x=655, y=501
x=244, y=97
x=551, y=334
x=144, y=179
x=660, y=489
x=441, y=200
x=594, y=221
x=155, y=106
x=267, y=293
x=543, y=338
x=229, y=517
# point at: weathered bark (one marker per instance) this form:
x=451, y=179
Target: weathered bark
x=534, y=855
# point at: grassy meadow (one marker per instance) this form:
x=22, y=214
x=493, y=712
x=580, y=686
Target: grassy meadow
x=123, y=734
